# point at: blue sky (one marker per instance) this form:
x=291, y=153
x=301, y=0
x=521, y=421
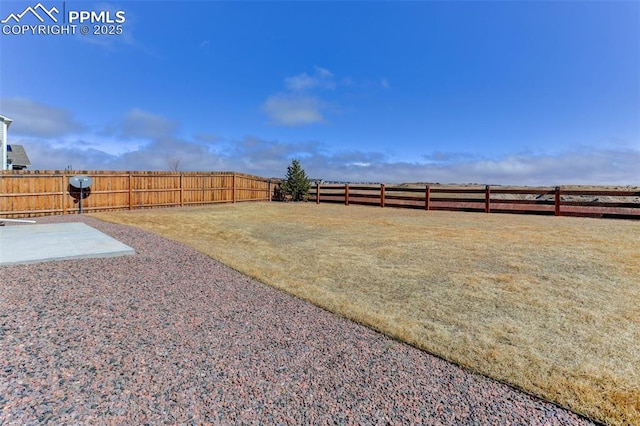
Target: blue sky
x=531, y=93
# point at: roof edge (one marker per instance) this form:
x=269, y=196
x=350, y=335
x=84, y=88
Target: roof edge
x=5, y=119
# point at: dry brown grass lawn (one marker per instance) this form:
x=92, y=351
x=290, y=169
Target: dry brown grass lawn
x=548, y=304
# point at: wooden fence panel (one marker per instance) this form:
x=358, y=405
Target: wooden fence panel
x=41, y=194
x=27, y=193
x=160, y=189
x=108, y=191
x=249, y=188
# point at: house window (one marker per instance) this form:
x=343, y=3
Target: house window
x=9, y=148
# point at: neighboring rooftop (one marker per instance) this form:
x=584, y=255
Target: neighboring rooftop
x=17, y=157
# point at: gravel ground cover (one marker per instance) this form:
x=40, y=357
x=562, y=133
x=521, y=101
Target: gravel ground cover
x=171, y=336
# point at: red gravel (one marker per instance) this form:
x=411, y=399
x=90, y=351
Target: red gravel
x=171, y=336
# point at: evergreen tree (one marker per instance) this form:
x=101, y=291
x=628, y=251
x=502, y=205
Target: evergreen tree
x=296, y=184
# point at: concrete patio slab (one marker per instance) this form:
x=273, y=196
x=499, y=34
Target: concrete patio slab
x=56, y=241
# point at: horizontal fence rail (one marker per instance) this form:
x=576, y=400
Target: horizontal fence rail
x=37, y=193
x=558, y=201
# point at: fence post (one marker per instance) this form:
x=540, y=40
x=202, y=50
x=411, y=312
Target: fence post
x=382, y=195
x=233, y=191
x=63, y=193
x=557, y=201
x=427, y=196
x=130, y=190
x=181, y=190
x=487, y=199
x=318, y=192
x=346, y=194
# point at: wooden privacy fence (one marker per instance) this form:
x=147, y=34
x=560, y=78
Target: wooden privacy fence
x=624, y=204
x=36, y=193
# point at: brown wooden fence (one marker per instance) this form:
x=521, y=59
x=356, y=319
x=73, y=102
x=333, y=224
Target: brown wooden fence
x=37, y=193
x=558, y=201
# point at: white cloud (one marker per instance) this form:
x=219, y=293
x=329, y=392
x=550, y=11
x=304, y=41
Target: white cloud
x=269, y=158
x=588, y=166
x=321, y=78
x=143, y=124
x=307, y=97
x=323, y=72
x=154, y=155
x=297, y=107
x=161, y=153
x=299, y=82
x=294, y=110
x=209, y=138
x=47, y=155
x=448, y=157
x=32, y=118
x=141, y=140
